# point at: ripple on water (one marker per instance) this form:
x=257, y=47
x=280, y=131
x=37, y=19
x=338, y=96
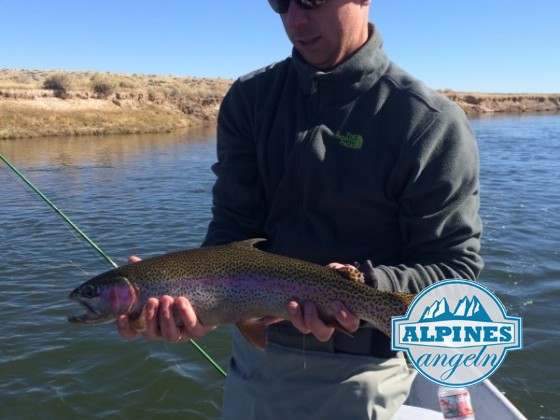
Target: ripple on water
x=150, y=195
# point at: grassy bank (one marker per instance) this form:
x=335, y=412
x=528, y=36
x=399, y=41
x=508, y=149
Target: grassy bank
x=506, y=103
x=36, y=103
x=49, y=103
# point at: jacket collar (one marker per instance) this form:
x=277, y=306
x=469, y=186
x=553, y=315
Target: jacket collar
x=351, y=78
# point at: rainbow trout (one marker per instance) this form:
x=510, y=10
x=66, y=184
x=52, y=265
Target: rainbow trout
x=234, y=284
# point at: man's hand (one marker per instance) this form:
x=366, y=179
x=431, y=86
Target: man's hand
x=160, y=322
x=306, y=319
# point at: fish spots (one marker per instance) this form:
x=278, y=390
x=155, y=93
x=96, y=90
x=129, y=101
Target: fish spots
x=231, y=283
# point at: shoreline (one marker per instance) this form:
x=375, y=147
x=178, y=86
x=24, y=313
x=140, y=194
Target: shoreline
x=478, y=104
x=37, y=103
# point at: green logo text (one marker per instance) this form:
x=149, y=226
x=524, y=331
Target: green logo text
x=349, y=140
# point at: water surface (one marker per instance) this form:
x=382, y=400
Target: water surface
x=147, y=195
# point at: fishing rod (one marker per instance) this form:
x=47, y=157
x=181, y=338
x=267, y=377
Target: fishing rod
x=93, y=245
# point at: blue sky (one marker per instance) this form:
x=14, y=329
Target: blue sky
x=475, y=45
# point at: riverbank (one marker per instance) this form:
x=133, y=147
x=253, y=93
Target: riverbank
x=475, y=104
x=36, y=103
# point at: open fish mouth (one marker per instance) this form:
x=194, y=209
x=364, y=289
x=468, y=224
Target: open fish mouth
x=91, y=316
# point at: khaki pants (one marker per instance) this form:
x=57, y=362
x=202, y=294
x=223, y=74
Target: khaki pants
x=289, y=383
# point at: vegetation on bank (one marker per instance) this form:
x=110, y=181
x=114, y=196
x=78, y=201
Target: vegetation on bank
x=36, y=103
x=509, y=103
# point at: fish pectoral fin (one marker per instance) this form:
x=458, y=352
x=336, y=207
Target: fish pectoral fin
x=139, y=324
x=350, y=272
x=254, y=331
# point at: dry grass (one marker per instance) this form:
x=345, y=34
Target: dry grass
x=18, y=122
x=104, y=103
x=488, y=103
x=139, y=83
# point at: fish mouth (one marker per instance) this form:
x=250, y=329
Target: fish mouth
x=91, y=316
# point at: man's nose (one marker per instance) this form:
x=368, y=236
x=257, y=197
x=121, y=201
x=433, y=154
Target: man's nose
x=295, y=16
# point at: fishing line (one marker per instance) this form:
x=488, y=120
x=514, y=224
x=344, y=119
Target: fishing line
x=57, y=210
x=30, y=193
x=94, y=246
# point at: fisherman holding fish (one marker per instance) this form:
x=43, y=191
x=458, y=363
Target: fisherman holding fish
x=334, y=155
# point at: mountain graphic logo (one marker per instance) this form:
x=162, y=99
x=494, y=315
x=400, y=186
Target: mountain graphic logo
x=466, y=309
x=456, y=333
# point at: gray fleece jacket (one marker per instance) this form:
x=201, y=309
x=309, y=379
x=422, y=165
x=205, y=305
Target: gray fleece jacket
x=359, y=164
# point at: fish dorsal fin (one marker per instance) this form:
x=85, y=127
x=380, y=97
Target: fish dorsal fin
x=249, y=243
x=254, y=331
x=351, y=273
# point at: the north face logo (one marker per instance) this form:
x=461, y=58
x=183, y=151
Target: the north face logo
x=350, y=141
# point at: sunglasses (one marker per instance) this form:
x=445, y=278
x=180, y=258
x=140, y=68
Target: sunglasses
x=282, y=6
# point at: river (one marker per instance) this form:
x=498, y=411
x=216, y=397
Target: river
x=147, y=195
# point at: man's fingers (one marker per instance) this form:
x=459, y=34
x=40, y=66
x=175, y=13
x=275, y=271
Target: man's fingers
x=192, y=329
x=167, y=325
x=151, y=310
x=344, y=317
x=296, y=314
x=124, y=328
x=306, y=319
x=318, y=328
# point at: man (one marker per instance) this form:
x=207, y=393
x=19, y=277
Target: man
x=336, y=155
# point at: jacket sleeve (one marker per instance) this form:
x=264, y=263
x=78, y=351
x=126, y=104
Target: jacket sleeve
x=439, y=201
x=238, y=201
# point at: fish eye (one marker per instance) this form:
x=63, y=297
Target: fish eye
x=89, y=291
